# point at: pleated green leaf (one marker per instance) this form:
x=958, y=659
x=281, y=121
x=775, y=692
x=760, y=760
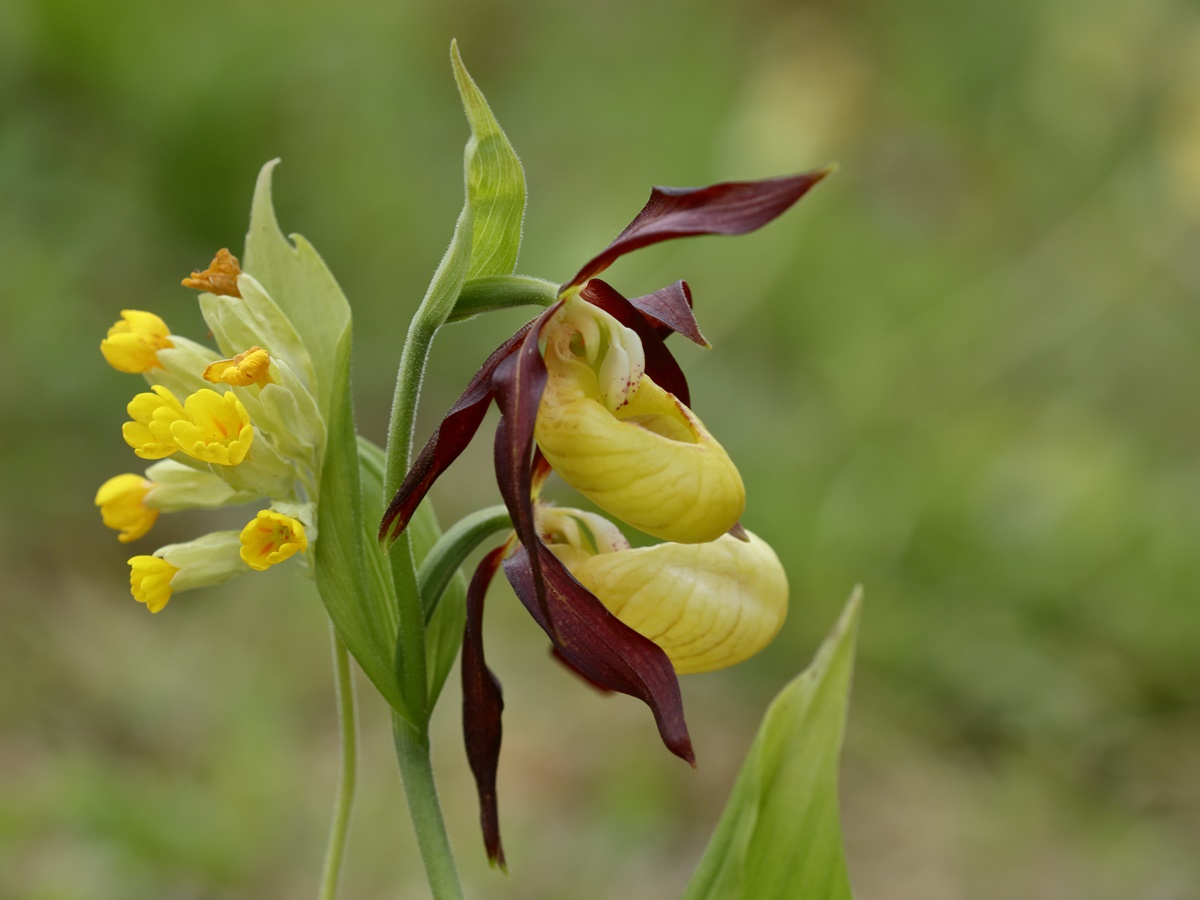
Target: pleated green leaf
x=780, y=835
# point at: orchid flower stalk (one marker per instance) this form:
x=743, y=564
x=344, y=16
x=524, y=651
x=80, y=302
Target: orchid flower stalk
x=587, y=390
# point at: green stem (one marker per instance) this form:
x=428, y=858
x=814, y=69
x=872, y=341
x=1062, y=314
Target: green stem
x=492, y=292
x=441, y=563
x=416, y=771
x=347, y=714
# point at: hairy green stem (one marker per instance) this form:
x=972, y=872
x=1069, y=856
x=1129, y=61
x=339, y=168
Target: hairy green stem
x=348, y=719
x=416, y=771
x=492, y=292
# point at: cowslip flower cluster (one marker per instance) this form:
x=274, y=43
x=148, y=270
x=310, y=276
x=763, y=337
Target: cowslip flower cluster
x=221, y=431
x=590, y=391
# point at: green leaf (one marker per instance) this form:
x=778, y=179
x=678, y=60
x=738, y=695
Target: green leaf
x=444, y=629
x=495, y=182
x=301, y=284
x=780, y=835
x=351, y=572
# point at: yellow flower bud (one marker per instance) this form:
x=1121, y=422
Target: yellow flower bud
x=122, y=502
x=250, y=367
x=149, y=434
x=650, y=462
x=216, y=428
x=150, y=581
x=270, y=538
x=133, y=343
x=708, y=606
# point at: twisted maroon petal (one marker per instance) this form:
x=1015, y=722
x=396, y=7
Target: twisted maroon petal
x=669, y=310
x=483, y=704
x=733, y=207
x=519, y=381
x=448, y=441
x=660, y=364
x=600, y=646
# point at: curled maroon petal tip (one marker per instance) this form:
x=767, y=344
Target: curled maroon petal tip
x=669, y=310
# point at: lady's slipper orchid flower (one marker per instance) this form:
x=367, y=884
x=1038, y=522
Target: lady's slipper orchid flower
x=609, y=408
x=629, y=446
x=708, y=606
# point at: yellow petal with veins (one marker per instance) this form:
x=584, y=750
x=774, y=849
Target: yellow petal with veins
x=216, y=429
x=252, y=366
x=651, y=463
x=707, y=606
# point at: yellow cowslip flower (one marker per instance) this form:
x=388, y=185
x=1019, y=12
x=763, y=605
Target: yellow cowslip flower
x=219, y=278
x=646, y=459
x=215, y=428
x=252, y=366
x=708, y=606
x=270, y=538
x=133, y=343
x=205, y=561
x=122, y=502
x=150, y=581
x=153, y=413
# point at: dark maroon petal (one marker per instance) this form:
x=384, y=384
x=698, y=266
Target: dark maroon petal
x=660, y=364
x=669, y=309
x=519, y=381
x=734, y=207
x=600, y=646
x=570, y=667
x=448, y=441
x=483, y=704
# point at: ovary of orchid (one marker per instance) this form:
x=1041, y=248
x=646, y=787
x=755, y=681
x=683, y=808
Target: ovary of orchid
x=706, y=605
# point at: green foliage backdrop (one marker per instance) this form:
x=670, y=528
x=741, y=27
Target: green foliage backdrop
x=962, y=372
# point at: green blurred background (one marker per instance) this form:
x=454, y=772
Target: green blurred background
x=962, y=372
